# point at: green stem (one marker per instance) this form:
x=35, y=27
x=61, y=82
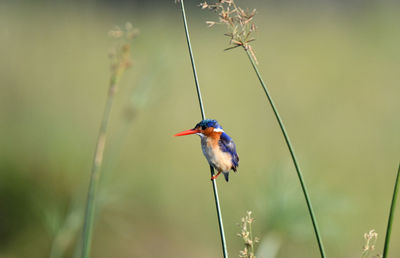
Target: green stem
x=196, y=79
x=288, y=143
x=203, y=116
x=95, y=173
x=391, y=215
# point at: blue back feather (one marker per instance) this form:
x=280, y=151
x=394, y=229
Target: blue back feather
x=227, y=145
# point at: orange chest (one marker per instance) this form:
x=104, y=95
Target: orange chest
x=212, y=141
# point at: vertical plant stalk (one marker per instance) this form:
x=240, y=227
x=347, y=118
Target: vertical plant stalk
x=120, y=61
x=95, y=172
x=241, y=27
x=293, y=156
x=246, y=233
x=203, y=116
x=391, y=215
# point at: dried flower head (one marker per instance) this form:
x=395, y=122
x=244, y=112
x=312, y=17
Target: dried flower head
x=247, y=236
x=116, y=32
x=241, y=26
x=120, y=52
x=369, y=243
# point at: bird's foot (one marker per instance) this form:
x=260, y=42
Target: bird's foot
x=215, y=176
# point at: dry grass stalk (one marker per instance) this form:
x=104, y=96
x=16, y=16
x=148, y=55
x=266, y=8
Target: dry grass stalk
x=120, y=56
x=370, y=239
x=247, y=235
x=120, y=53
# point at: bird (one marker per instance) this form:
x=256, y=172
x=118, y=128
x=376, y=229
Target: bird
x=218, y=147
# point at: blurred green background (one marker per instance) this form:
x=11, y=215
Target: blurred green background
x=332, y=67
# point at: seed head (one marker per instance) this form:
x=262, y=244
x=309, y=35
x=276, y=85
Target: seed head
x=246, y=234
x=370, y=239
x=120, y=52
x=238, y=21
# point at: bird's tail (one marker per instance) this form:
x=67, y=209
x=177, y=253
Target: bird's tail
x=226, y=175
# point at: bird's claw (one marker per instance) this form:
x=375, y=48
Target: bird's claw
x=215, y=176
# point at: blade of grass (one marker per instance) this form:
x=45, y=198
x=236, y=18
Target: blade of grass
x=391, y=215
x=203, y=116
x=292, y=154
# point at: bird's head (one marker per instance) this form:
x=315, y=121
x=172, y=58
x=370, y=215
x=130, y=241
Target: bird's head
x=204, y=128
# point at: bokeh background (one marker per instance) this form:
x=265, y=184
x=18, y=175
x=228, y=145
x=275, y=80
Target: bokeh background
x=332, y=67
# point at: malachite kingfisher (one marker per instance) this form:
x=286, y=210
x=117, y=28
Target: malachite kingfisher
x=218, y=147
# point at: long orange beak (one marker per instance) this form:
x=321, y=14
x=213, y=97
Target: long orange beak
x=187, y=132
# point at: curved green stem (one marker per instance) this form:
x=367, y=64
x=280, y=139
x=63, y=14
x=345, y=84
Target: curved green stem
x=288, y=143
x=203, y=116
x=95, y=173
x=391, y=215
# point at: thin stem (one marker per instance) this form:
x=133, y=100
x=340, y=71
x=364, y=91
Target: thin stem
x=95, y=173
x=288, y=143
x=221, y=225
x=203, y=116
x=196, y=80
x=391, y=215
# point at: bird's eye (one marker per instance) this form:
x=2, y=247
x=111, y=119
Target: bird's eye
x=203, y=127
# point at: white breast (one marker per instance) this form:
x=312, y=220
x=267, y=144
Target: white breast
x=222, y=161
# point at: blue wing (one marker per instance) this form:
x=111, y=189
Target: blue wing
x=227, y=145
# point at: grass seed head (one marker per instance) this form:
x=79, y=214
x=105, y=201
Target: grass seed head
x=370, y=239
x=247, y=236
x=239, y=22
x=120, y=52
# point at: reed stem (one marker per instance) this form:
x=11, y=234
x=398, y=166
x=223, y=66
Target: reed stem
x=95, y=173
x=203, y=116
x=391, y=215
x=292, y=154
